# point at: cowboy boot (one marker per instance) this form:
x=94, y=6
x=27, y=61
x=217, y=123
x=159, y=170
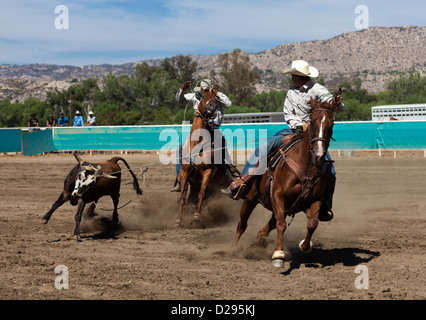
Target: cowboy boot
x=237, y=187
x=325, y=213
x=176, y=186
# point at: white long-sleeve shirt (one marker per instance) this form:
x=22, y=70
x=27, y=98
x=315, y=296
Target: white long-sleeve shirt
x=223, y=102
x=297, y=107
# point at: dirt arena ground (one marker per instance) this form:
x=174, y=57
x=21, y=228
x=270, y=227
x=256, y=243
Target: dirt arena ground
x=380, y=206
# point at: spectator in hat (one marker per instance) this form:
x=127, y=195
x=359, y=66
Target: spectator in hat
x=78, y=119
x=62, y=120
x=91, y=121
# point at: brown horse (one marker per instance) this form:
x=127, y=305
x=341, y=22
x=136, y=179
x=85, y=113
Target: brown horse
x=296, y=181
x=198, y=169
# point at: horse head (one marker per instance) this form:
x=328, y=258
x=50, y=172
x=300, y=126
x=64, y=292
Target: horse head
x=208, y=103
x=321, y=127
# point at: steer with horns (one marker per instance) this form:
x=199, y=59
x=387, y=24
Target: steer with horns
x=88, y=182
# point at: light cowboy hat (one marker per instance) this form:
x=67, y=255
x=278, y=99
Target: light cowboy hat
x=302, y=68
x=91, y=112
x=205, y=84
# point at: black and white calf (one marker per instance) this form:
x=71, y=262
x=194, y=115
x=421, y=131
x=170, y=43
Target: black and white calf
x=88, y=182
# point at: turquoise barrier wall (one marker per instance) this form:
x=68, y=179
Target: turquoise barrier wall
x=10, y=140
x=348, y=136
x=110, y=138
x=37, y=142
x=401, y=135
x=355, y=136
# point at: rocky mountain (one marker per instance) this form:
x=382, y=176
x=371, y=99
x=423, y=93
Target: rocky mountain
x=372, y=55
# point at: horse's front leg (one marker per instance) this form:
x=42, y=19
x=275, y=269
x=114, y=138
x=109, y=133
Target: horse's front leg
x=312, y=215
x=202, y=194
x=183, y=178
x=281, y=225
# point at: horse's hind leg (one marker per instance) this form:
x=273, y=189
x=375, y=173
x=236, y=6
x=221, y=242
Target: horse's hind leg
x=312, y=215
x=245, y=212
x=264, y=232
x=202, y=194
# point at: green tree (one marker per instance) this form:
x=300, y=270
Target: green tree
x=272, y=101
x=107, y=114
x=239, y=77
x=181, y=67
x=145, y=71
x=407, y=88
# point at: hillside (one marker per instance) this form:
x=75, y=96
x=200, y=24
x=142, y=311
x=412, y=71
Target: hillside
x=372, y=55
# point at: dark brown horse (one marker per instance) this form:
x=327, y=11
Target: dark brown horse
x=296, y=181
x=198, y=167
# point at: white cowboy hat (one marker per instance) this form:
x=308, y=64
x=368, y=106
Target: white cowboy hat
x=91, y=112
x=205, y=84
x=77, y=112
x=302, y=68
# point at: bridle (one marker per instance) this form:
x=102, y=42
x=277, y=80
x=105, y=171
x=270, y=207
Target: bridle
x=313, y=140
x=210, y=113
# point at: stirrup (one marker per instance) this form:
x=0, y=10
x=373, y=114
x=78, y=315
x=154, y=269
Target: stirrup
x=239, y=194
x=236, y=193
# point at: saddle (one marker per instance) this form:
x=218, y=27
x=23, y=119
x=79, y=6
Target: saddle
x=243, y=184
x=308, y=182
x=279, y=154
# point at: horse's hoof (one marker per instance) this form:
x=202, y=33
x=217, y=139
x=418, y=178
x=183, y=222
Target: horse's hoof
x=310, y=246
x=177, y=224
x=78, y=238
x=278, y=259
x=278, y=263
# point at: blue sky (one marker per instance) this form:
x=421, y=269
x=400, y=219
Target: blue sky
x=115, y=32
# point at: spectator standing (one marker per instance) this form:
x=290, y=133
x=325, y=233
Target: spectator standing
x=50, y=121
x=78, y=119
x=33, y=122
x=62, y=120
x=91, y=121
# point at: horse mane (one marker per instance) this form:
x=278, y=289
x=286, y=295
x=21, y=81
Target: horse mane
x=331, y=106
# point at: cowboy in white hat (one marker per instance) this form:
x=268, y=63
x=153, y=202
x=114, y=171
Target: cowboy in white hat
x=296, y=115
x=194, y=98
x=302, y=68
x=91, y=121
x=78, y=119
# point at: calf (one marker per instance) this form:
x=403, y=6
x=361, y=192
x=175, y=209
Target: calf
x=88, y=182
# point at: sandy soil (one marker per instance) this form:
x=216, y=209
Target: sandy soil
x=379, y=223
